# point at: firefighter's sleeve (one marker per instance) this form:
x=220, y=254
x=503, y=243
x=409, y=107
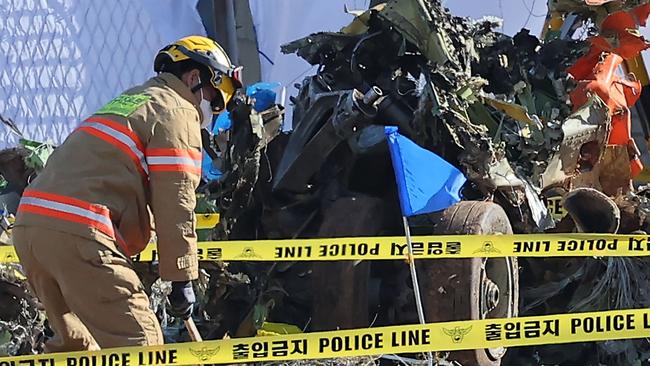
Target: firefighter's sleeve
x=174, y=160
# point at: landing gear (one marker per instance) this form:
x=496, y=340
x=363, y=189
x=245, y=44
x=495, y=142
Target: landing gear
x=471, y=289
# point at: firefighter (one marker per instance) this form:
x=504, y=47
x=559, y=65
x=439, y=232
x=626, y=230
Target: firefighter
x=88, y=212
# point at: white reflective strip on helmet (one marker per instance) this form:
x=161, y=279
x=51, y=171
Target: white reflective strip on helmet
x=123, y=138
x=64, y=207
x=222, y=58
x=173, y=160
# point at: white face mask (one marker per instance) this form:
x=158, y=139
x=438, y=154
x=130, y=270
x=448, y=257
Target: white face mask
x=206, y=110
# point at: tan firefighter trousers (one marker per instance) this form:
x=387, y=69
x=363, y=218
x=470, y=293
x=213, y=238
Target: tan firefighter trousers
x=92, y=296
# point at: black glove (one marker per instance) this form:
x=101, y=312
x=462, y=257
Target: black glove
x=240, y=110
x=181, y=299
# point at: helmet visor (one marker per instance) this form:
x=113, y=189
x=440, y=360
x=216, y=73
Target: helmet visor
x=237, y=76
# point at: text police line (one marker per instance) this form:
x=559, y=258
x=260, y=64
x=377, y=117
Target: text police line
x=448, y=336
x=424, y=247
x=428, y=247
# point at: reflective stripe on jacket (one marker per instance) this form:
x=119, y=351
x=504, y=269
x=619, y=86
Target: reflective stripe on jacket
x=116, y=169
x=67, y=208
x=119, y=136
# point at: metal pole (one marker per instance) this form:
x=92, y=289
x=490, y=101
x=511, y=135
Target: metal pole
x=231, y=32
x=193, y=330
x=414, y=280
x=195, y=336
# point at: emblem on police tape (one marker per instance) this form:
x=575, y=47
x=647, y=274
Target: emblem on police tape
x=488, y=247
x=248, y=252
x=204, y=353
x=457, y=334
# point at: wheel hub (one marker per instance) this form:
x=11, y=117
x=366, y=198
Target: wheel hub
x=490, y=294
x=496, y=294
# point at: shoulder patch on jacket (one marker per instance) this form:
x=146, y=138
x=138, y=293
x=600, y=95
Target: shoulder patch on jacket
x=124, y=105
x=185, y=262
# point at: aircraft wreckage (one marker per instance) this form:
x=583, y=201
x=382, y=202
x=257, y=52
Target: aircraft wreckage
x=531, y=122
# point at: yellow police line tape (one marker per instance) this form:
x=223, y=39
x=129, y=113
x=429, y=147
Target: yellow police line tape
x=203, y=221
x=448, y=336
x=424, y=247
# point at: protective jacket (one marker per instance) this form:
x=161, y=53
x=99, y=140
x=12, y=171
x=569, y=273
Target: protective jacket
x=138, y=155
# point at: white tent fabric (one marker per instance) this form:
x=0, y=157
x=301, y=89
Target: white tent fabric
x=173, y=19
x=281, y=21
x=62, y=60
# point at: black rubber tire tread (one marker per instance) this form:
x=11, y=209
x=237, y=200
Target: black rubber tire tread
x=450, y=287
x=341, y=287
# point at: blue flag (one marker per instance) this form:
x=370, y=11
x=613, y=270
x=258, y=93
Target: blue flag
x=425, y=181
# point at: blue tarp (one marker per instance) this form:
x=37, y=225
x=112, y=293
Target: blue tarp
x=264, y=97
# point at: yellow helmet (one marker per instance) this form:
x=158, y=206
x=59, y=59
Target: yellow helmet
x=224, y=76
